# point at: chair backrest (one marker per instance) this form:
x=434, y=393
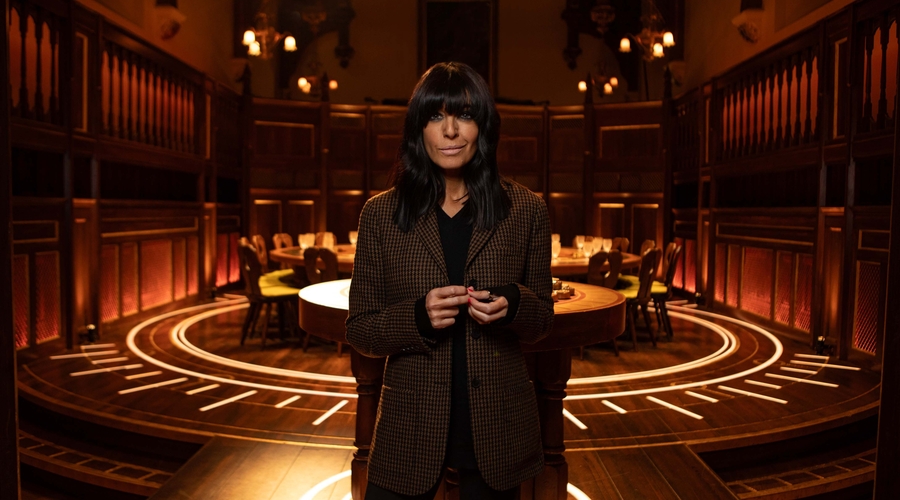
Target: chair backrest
x=251, y=269
x=595, y=268
x=282, y=240
x=623, y=244
x=310, y=260
x=648, y=271
x=322, y=236
x=259, y=243
x=646, y=245
x=615, y=267
x=671, y=263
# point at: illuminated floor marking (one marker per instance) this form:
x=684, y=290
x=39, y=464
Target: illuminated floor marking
x=798, y=370
x=179, y=339
x=318, y=488
x=762, y=384
x=315, y=490
x=83, y=354
x=779, y=350
x=142, y=375
x=97, y=346
x=201, y=389
x=826, y=365
x=132, y=346
x=104, y=370
x=574, y=420
x=614, y=407
x=330, y=412
x=673, y=407
x=287, y=401
x=801, y=380
x=752, y=394
x=701, y=396
x=811, y=356
x=348, y=496
x=729, y=347
x=227, y=401
x=153, y=386
x=109, y=360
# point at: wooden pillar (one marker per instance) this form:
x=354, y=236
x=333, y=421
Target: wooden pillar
x=368, y=373
x=887, y=481
x=9, y=428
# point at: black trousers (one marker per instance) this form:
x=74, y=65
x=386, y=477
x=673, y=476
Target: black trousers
x=471, y=487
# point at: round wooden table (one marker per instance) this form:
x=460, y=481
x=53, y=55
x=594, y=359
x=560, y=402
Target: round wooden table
x=293, y=256
x=594, y=314
x=566, y=265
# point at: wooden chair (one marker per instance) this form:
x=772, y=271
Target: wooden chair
x=263, y=295
x=315, y=275
x=647, y=245
x=639, y=296
x=322, y=235
x=661, y=292
x=259, y=243
x=615, y=267
x=623, y=245
x=597, y=276
x=627, y=280
x=282, y=240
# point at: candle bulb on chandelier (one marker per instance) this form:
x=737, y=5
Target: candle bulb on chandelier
x=249, y=37
x=332, y=84
x=290, y=44
x=607, y=88
x=614, y=82
x=658, y=50
x=582, y=86
x=668, y=39
x=254, y=49
x=625, y=45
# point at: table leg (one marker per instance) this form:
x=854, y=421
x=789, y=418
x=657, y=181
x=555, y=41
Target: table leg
x=552, y=370
x=368, y=373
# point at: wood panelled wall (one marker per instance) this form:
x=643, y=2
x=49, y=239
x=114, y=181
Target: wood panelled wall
x=313, y=165
x=781, y=177
x=128, y=174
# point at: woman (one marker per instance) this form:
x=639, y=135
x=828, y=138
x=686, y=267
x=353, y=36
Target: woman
x=452, y=272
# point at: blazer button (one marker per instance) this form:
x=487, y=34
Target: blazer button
x=476, y=383
x=476, y=334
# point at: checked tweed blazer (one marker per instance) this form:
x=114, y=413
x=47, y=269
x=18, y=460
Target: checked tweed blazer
x=391, y=271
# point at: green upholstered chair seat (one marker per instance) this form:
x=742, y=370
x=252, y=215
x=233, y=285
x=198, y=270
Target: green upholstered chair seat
x=274, y=278
x=279, y=291
x=626, y=280
x=659, y=289
x=631, y=291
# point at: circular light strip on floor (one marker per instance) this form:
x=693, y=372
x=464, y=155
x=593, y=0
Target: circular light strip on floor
x=129, y=340
x=729, y=346
x=779, y=350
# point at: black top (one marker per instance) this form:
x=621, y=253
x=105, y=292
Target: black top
x=456, y=234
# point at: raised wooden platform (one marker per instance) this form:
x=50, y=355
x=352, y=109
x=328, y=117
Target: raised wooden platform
x=650, y=428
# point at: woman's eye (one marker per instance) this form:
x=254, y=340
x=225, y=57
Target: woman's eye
x=436, y=117
x=465, y=116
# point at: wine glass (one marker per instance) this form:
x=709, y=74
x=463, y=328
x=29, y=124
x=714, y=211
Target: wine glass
x=607, y=244
x=306, y=240
x=597, y=244
x=588, y=246
x=555, y=248
x=353, y=237
x=554, y=237
x=579, y=244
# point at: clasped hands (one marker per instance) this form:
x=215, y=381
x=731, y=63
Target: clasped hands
x=443, y=304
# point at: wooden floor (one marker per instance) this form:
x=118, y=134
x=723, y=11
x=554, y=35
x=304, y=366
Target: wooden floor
x=640, y=427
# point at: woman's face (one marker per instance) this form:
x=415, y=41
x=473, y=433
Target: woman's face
x=451, y=141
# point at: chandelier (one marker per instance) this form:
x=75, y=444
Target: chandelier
x=262, y=38
x=653, y=39
x=311, y=82
x=604, y=84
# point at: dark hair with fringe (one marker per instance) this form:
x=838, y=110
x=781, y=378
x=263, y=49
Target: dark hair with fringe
x=454, y=88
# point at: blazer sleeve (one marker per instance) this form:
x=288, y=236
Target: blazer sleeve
x=375, y=328
x=534, y=317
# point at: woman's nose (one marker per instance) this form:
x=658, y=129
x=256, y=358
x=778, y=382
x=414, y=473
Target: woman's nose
x=450, y=127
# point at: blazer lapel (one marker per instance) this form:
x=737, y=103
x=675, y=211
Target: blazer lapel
x=479, y=238
x=426, y=230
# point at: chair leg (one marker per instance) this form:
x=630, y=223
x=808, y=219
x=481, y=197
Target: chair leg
x=340, y=348
x=248, y=320
x=632, y=317
x=265, y=330
x=667, y=323
x=254, y=323
x=649, y=324
x=615, y=347
x=280, y=306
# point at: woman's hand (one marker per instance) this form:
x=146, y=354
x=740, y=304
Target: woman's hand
x=442, y=305
x=485, y=308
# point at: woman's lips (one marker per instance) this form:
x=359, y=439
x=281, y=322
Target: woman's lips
x=451, y=151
